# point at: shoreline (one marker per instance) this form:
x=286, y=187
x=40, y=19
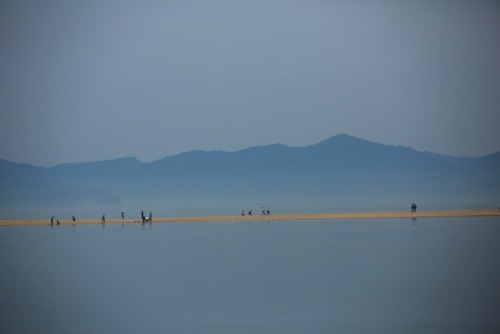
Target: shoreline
x=324, y=216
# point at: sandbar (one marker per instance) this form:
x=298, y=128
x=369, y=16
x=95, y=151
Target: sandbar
x=324, y=216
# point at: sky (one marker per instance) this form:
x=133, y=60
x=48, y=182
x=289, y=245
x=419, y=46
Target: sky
x=90, y=80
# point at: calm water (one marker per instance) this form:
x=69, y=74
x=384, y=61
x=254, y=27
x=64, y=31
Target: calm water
x=233, y=207
x=360, y=276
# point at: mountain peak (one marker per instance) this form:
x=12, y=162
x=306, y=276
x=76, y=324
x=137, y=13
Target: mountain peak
x=342, y=139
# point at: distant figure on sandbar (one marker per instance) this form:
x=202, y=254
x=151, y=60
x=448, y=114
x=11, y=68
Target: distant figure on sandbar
x=73, y=218
x=123, y=215
x=413, y=207
x=52, y=221
x=150, y=216
x=263, y=211
x=250, y=212
x=58, y=223
x=243, y=212
x=268, y=213
x=143, y=217
x=103, y=220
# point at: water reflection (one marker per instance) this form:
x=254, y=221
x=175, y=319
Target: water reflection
x=293, y=276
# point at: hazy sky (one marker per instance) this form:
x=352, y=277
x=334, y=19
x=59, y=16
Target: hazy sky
x=90, y=80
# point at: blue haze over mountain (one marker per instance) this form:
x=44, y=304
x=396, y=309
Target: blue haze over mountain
x=338, y=169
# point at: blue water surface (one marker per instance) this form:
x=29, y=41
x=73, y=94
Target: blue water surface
x=434, y=275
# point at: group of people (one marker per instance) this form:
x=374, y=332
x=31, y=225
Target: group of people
x=103, y=218
x=146, y=219
x=265, y=212
x=149, y=218
x=52, y=221
x=413, y=207
x=73, y=218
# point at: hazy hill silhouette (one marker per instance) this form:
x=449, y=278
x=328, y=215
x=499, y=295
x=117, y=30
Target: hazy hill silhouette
x=339, y=166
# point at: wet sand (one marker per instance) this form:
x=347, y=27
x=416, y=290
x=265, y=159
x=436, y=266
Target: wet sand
x=329, y=216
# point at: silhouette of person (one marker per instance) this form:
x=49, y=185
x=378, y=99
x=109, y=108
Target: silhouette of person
x=73, y=218
x=243, y=212
x=52, y=221
x=103, y=220
x=123, y=214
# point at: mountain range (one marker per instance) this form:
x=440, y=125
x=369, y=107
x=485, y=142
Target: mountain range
x=341, y=166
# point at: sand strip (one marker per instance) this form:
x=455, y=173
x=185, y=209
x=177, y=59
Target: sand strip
x=331, y=216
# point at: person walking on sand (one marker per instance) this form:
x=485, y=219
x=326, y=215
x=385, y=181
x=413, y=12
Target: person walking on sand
x=103, y=220
x=243, y=212
x=123, y=215
x=52, y=221
x=142, y=216
x=150, y=216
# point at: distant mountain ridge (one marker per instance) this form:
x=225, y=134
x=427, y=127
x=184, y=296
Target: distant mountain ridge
x=338, y=166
